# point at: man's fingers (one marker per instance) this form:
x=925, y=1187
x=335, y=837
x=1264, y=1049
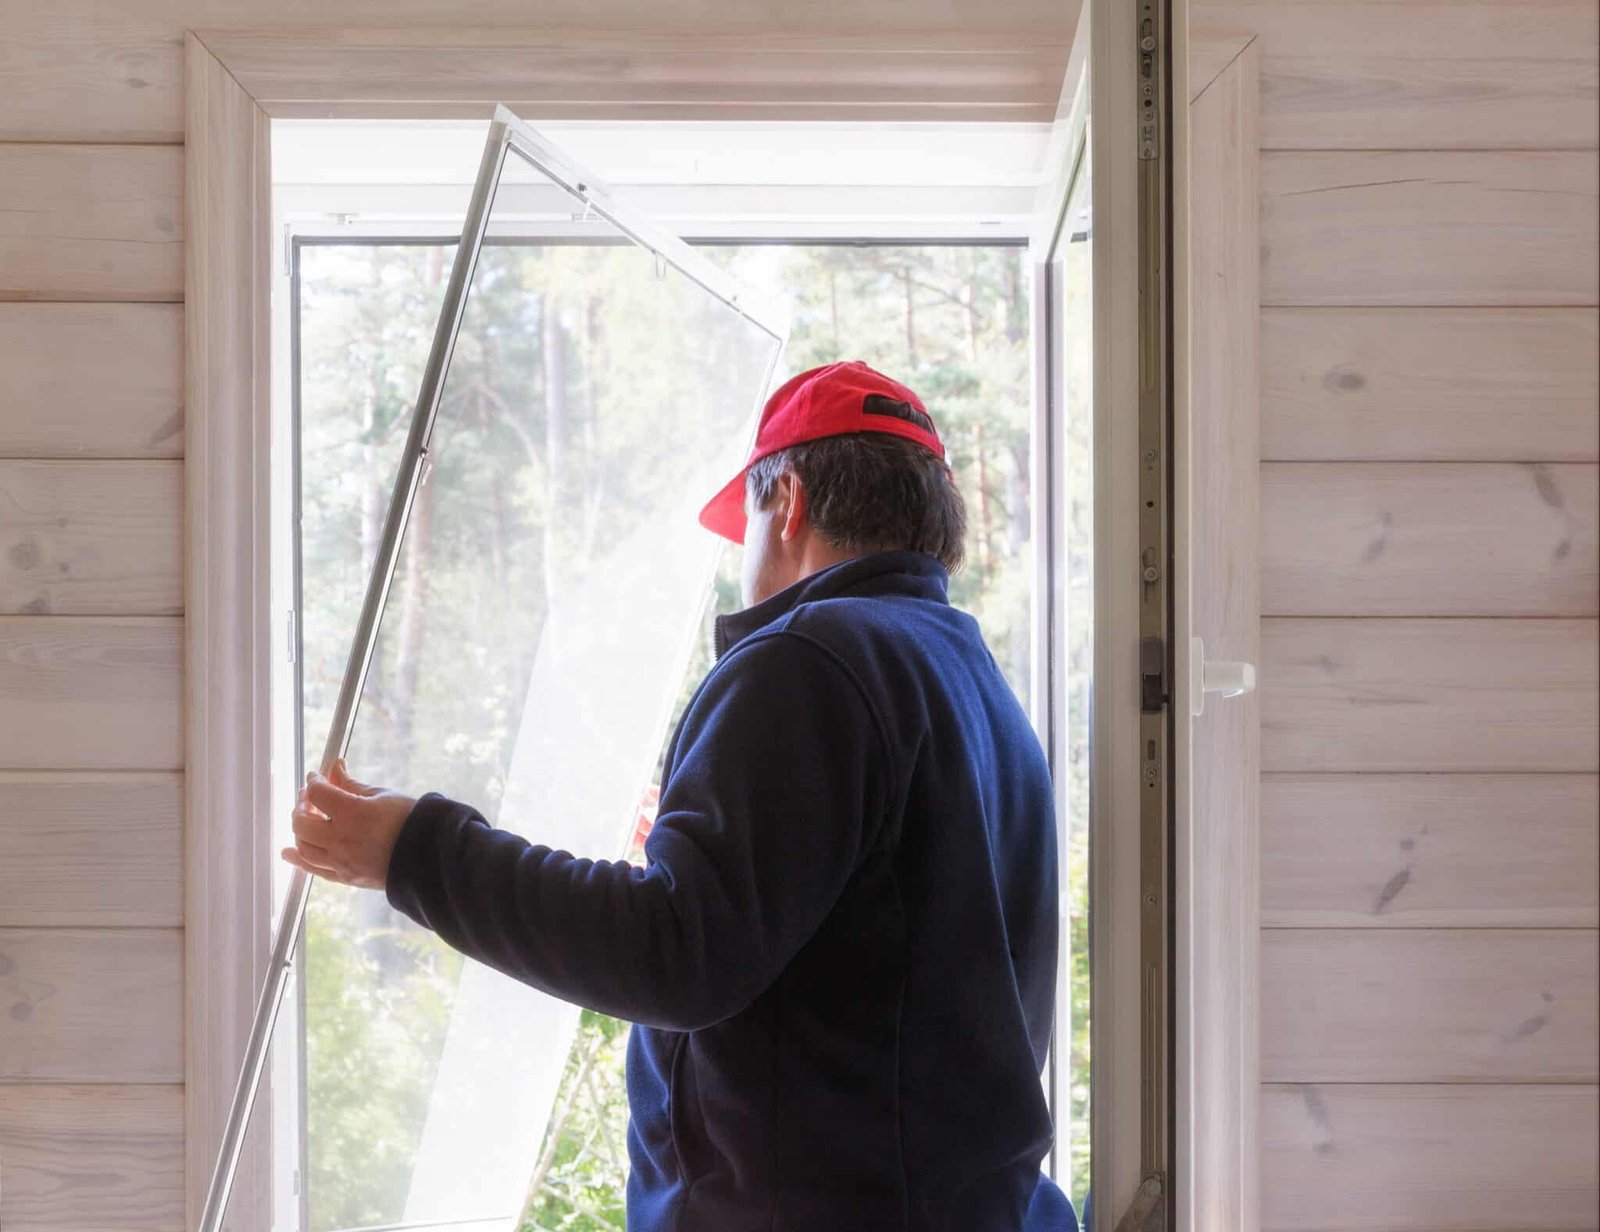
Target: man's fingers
x=312, y=827
x=329, y=798
x=293, y=856
x=341, y=778
x=322, y=857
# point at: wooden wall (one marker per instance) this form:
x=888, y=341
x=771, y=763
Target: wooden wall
x=91, y=627
x=1429, y=739
x=1429, y=601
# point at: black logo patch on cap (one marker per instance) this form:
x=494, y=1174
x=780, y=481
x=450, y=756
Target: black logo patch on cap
x=893, y=408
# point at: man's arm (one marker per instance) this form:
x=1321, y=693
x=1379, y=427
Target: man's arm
x=780, y=783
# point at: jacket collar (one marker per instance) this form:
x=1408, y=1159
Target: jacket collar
x=915, y=575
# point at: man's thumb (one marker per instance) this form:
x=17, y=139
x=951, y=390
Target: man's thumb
x=328, y=796
x=341, y=776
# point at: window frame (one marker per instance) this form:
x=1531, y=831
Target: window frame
x=235, y=82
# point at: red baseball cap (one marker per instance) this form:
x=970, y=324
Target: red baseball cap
x=833, y=400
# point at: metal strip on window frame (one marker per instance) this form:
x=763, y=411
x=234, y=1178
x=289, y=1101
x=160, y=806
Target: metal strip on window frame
x=1152, y=1207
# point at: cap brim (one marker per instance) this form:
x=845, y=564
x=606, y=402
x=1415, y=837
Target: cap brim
x=724, y=512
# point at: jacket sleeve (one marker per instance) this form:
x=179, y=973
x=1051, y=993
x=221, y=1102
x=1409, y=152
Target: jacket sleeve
x=778, y=787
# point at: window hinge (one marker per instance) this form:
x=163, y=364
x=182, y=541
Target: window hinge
x=291, y=634
x=1149, y=82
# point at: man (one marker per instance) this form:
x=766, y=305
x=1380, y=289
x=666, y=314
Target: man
x=841, y=955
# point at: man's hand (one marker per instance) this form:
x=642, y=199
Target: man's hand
x=345, y=831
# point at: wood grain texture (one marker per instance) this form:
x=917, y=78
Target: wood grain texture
x=79, y=70
x=86, y=1005
x=1430, y=384
x=1422, y=76
x=1429, y=539
x=1212, y=48
x=1425, y=694
x=87, y=538
x=90, y=849
x=1435, y=850
x=1428, y=1158
x=1501, y=228
x=1429, y=1005
x=91, y=1158
x=91, y=222
x=1217, y=1018
x=649, y=74
x=231, y=633
x=91, y=380
x=90, y=693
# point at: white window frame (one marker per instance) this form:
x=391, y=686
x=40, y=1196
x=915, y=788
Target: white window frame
x=235, y=82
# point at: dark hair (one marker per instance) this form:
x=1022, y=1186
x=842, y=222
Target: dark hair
x=871, y=492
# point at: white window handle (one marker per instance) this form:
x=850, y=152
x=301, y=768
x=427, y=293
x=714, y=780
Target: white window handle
x=1228, y=677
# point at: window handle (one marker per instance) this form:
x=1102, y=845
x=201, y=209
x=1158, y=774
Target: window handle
x=1225, y=677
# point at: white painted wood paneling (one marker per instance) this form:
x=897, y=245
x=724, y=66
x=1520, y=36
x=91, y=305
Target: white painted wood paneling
x=1428, y=1005
x=1439, y=76
x=91, y=222
x=231, y=630
x=1401, y=1158
x=1430, y=384
x=1425, y=694
x=89, y=538
x=1438, y=850
x=91, y=1005
x=861, y=75
x=91, y=380
x=91, y=849
x=1429, y=539
x=77, y=70
x=91, y=1158
x=91, y=693
x=1219, y=752
x=1502, y=228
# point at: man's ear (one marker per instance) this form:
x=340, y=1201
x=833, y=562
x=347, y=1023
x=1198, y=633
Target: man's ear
x=793, y=494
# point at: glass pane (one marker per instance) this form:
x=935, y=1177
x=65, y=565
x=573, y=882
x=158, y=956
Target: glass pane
x=1077, y=571
x=544, y=611
x=952, y=322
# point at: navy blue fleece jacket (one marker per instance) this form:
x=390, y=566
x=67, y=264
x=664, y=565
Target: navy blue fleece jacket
x=841, y=956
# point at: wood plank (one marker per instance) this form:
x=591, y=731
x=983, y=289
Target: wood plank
x=229, y=626
x=1431, y=384
x=1437, y=850
x=405, y=70
x=1502, y=228
x=1217, y=1008
x=78, y=70
x=1428, y=1158
x=1425, y=694
x=91, y=849
x=86, y=1005
x=1212, y=48
x=91, y=1158
x=91, y=380
x=1429, y=1005
x=1423, y=76
x=91, y=693
x=1429, y=539
x=88, y=538
x=91, y=222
